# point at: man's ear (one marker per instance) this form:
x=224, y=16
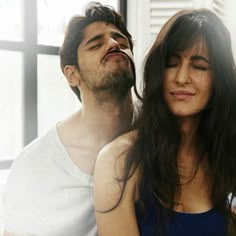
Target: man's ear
x=72, y=75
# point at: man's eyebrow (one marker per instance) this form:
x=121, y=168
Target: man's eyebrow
x=118, y=35
x=96, y=37
x=198, y=57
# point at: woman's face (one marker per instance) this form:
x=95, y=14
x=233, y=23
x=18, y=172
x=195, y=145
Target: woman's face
x=187, y=82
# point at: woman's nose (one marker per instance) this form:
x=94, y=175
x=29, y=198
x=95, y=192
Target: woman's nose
x=183, y=75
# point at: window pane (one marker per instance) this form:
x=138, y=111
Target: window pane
x=53, y=16
x=11, y=20
x=10, y=103
x=56, y=100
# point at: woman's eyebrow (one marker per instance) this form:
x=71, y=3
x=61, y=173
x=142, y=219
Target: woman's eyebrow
x=174, y=54
x=199, y=57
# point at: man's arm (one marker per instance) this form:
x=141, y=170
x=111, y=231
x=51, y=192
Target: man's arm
x=121, y=220
x=17, y=200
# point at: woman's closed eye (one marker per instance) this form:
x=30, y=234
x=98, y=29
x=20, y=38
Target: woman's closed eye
x=172, y=61
x=201, y=66
x=169, y=65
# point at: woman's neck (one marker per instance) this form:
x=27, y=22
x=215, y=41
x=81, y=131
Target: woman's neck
x=191, y=151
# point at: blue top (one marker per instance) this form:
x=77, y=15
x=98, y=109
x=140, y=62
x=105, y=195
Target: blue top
x=181, y=224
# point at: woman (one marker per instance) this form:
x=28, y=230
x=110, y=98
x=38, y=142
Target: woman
x=176, y=173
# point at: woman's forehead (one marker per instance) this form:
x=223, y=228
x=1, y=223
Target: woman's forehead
x=198, y=47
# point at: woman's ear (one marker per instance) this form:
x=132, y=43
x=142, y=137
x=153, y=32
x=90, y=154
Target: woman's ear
x=72, y=75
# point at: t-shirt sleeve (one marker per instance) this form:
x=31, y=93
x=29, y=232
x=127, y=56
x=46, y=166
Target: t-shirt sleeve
x=19, y=217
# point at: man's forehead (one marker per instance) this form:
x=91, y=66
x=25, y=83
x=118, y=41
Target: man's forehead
x=98, y=28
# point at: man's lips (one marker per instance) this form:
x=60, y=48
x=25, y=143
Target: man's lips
x=114, y=55
x=181, y=94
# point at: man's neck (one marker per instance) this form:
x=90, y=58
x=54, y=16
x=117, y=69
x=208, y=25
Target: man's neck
x=87, y=131
x=97, y=124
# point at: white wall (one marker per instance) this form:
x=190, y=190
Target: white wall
x=140, y=22
x=230, y=19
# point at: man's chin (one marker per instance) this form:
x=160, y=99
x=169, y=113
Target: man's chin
x=118, y=82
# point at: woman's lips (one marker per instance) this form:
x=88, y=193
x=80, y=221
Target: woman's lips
x=181, y=95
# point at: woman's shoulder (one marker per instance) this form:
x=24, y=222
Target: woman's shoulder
x=119, y=147
x=124, y=140
x=109, y=169
x=114, y=192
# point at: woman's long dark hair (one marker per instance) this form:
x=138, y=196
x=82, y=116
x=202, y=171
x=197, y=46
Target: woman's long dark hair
x=155, y=149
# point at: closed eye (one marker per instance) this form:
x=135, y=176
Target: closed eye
x=172, y=61
x=200, y=63
x=203, y=68
x=169, y=65
x=123, y=46
x=123, y=43
x=95, y=46
x=121, y=40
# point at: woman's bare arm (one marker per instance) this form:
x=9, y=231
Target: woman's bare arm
x=109, y=166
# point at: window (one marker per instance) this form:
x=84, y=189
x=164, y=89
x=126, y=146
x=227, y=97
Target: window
x=31, y=32
x=34, y=94
x=10, y=103
x=54, y=15
x=53, y=92
x=11, y=20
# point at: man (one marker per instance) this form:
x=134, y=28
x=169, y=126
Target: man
x=49, y=190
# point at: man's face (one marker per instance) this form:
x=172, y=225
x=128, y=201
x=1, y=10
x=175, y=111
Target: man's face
x=103, y=59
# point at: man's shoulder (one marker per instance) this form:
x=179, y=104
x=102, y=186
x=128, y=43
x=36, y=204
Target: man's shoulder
x=38, y=153
x=30, y=169
x=39, y=146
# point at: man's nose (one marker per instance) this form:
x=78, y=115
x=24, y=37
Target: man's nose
x=112, y=44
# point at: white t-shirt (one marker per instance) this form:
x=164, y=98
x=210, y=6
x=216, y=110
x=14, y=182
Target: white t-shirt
x=47, y=194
